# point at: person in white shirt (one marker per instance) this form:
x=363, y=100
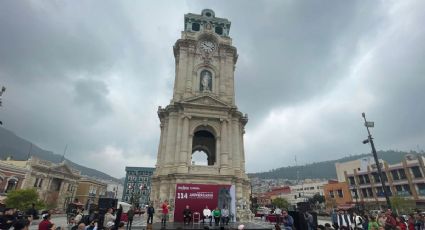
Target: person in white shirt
x=358, y=221
x=206, y=213
x=278, y=214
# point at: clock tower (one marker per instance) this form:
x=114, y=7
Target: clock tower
x=202, y=116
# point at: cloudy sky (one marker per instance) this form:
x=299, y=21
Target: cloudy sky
x=91, y=74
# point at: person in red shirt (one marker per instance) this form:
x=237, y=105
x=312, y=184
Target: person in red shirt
x=400, y=223
x=164, y=207
x=390, y=222
x=45, y=224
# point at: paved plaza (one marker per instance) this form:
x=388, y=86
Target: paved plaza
x=139, y=222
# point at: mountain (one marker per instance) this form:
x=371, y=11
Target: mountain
x=325, y=169
x=18, y=148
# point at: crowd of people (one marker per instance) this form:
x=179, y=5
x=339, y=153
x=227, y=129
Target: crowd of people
x=387, y=220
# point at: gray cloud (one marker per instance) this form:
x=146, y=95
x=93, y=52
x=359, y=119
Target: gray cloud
x=91, y=75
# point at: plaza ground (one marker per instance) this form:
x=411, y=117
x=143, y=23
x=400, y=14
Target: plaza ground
x=139, y=222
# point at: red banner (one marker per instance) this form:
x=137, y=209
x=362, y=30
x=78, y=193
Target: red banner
x=197, y=196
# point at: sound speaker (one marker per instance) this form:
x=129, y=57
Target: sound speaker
x=105, y=203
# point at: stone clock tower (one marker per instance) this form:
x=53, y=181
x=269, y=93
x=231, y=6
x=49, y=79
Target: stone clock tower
x=202, y=115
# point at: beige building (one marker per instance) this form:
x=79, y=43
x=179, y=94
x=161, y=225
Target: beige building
x=89, y=191
x=202, y=118
x=11, y=177
x=405, y=179
x=55, y=183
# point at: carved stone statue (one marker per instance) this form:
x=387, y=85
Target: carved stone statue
x=205, y=81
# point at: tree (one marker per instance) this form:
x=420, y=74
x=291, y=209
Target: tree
x=280, y=203
x=22, y=199
x=317, y=198
x=401, y=204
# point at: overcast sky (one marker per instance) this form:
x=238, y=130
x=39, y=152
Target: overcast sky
x=91, y=74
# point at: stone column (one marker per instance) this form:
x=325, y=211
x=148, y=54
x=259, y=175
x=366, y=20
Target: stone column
x=178, y=140
x=163, y=145
x=161, y=139
x=224, y=153
x=235, y=144
x=189, y=155
x=184, y=146
x=171, y=139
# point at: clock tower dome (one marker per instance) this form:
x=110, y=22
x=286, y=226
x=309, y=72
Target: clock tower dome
x=202, y=115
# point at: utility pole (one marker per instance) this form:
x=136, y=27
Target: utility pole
x=3, y=89
x=375, y=156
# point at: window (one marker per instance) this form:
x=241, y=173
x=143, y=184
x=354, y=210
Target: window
x=361, y=179
x=331, y=194
x=364, y=192
x=369, y=192
x=195, y=26
x=376, y=177
x=340, y=194
x=416, y=171
x=219, y=30
x=421, y=189
x=402, y=174
x=351, y=180
x=379, y=192
x=394, y=173
x=367, y=180
x=36, y=182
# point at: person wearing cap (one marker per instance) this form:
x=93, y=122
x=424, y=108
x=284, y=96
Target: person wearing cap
x=45, y=224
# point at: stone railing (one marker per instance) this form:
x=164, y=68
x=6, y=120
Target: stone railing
x=204, y=169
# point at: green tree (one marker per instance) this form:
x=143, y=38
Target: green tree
x=280, y=203
x=402, y=205
x=317, y=198
x=22, y=199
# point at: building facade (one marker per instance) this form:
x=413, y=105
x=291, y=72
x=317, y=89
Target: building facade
x=114, y=189
x=405, y=179
x=11, y=177
x=138, y=185
x=89, y=191
x=202, y=117
x=55, y=183
x=337, y=195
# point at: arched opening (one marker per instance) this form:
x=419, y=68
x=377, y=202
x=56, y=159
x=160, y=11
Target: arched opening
x=203, y=146
x=199, y=157
x=11, y=184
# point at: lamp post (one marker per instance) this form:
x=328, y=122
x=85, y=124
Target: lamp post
x=3, y=89
x=370, y=124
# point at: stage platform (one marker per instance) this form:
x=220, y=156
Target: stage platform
x=200, y=226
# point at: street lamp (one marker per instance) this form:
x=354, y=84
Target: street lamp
x=3, y=89
x=370, y=124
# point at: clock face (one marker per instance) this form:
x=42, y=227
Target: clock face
x=207, y=46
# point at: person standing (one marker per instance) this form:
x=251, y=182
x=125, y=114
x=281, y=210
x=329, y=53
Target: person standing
x=225, y=215
x=216, y=214
x=109, y=218
x=390, y=222
x=130, y=216
x=309, y=220
x=287, y=220
x=150, y=211
x=278, y=214
x=344, y=220
x=206, y=213
x=334, y=217
x=358, y=221
x=45, y=224
x=164, y=208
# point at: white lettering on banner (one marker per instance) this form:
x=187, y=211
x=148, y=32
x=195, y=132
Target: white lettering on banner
x=181, y=195
x=201, y=195
x=182, y=188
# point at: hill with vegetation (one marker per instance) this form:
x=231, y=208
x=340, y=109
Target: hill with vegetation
x=20, y=149
x=325, y=169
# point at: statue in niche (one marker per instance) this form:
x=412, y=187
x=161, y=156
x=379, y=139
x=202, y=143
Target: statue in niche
x=206, y=80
